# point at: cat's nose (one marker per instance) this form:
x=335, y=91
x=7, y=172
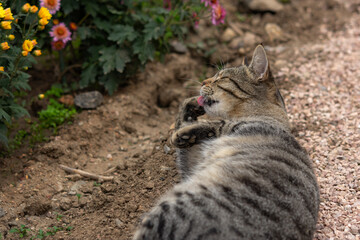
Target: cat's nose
x=206, y=81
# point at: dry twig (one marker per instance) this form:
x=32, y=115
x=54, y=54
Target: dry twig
x=86, y=174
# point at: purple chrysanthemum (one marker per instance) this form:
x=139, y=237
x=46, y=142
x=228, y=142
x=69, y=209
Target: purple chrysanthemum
x=60, y=32
x=218, y=14
x=52, y=5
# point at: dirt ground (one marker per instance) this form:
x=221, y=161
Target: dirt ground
x=126, y=137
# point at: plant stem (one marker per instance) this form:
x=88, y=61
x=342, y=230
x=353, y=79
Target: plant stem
x=17, y=61
x=62, y=65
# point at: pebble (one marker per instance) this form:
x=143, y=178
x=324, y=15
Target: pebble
x=167, y=149
x=74, y=189
x=236, y=43
x=2, y=212
x=265, y=5
x=178, y=47
x=274, y=32
x=251, y=39
x=118, y=222
x=65, y=203
x=88, y=100
x=149, y=185
x=228, y=35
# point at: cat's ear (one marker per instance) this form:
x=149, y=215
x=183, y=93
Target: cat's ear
x=260, y=64
x=245, y=61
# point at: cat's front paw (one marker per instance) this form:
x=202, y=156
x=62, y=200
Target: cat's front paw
x=189, y=111
x=190, y=135
x=192, y=109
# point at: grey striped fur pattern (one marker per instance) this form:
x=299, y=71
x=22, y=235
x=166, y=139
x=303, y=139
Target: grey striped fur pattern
x=244, y=176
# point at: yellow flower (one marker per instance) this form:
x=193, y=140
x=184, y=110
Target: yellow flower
x=27, y=46
x=56, y=21
x=11, y=37
x=34, y=42
x=43, y=21
x=44, y=13
x=2, y=12
x=24, y=53
x=5, y=46
x=34, y=9
x=8, y=14
x=40, y=28
x=26, y=8
x=2, y=69
x=41, y=96
x=6, y=25
x=37, y=53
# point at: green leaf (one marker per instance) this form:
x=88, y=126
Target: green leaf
x=122, y=32
x=112, y=58
x=84, y=32
x=69, y=5
x=144, y=49
x=5, y=115
x=107, y=59
x=153, y=30
x=18, y=111
x=121, y=58
x=92, y=7
x=102, y=25
x=87, y=75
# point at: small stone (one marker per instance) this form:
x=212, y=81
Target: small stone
x=178, y=47
x=166, y=149
x=65, y=203
x=251, y=39
x=149, y=185
x=264, y=5
x=274, y=32
x=109, y=157
x=236, y=43
x=280, y=63
x=118, y=222
x=2, y=212
x=228, y=35
x=75, y=187
x=89, y=100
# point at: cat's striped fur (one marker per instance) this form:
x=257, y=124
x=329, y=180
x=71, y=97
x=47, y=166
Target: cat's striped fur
x=244, y=174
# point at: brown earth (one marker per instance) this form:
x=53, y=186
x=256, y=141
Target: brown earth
x=127, y=135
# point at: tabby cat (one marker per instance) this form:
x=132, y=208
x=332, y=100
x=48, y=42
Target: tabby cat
x=244, y=176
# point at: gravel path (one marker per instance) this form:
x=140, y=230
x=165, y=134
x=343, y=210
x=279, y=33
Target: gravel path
x=325, y=109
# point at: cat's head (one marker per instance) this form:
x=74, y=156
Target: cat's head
x=245, y=91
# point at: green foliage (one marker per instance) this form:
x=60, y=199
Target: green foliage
x=115, y=38
x=13, y=78
x=21, y=232
x=55, y=114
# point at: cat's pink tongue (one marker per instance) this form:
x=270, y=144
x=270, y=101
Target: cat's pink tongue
x=201, y=101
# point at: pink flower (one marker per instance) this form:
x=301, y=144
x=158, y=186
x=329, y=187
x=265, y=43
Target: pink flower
x=218, y=14
x=60, y=32
x=209, y=2
x=52, y=5
x=167, y=4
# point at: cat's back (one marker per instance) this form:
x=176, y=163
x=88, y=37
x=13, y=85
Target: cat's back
x=255, y=183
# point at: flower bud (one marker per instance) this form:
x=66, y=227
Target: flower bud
x=43, y=21
x=6, y=25
x=37, y=53
x=10, y=37
x=24, y=53
x=5, y=46
x=34, y=9
x=26, y=8
x=2, y=69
